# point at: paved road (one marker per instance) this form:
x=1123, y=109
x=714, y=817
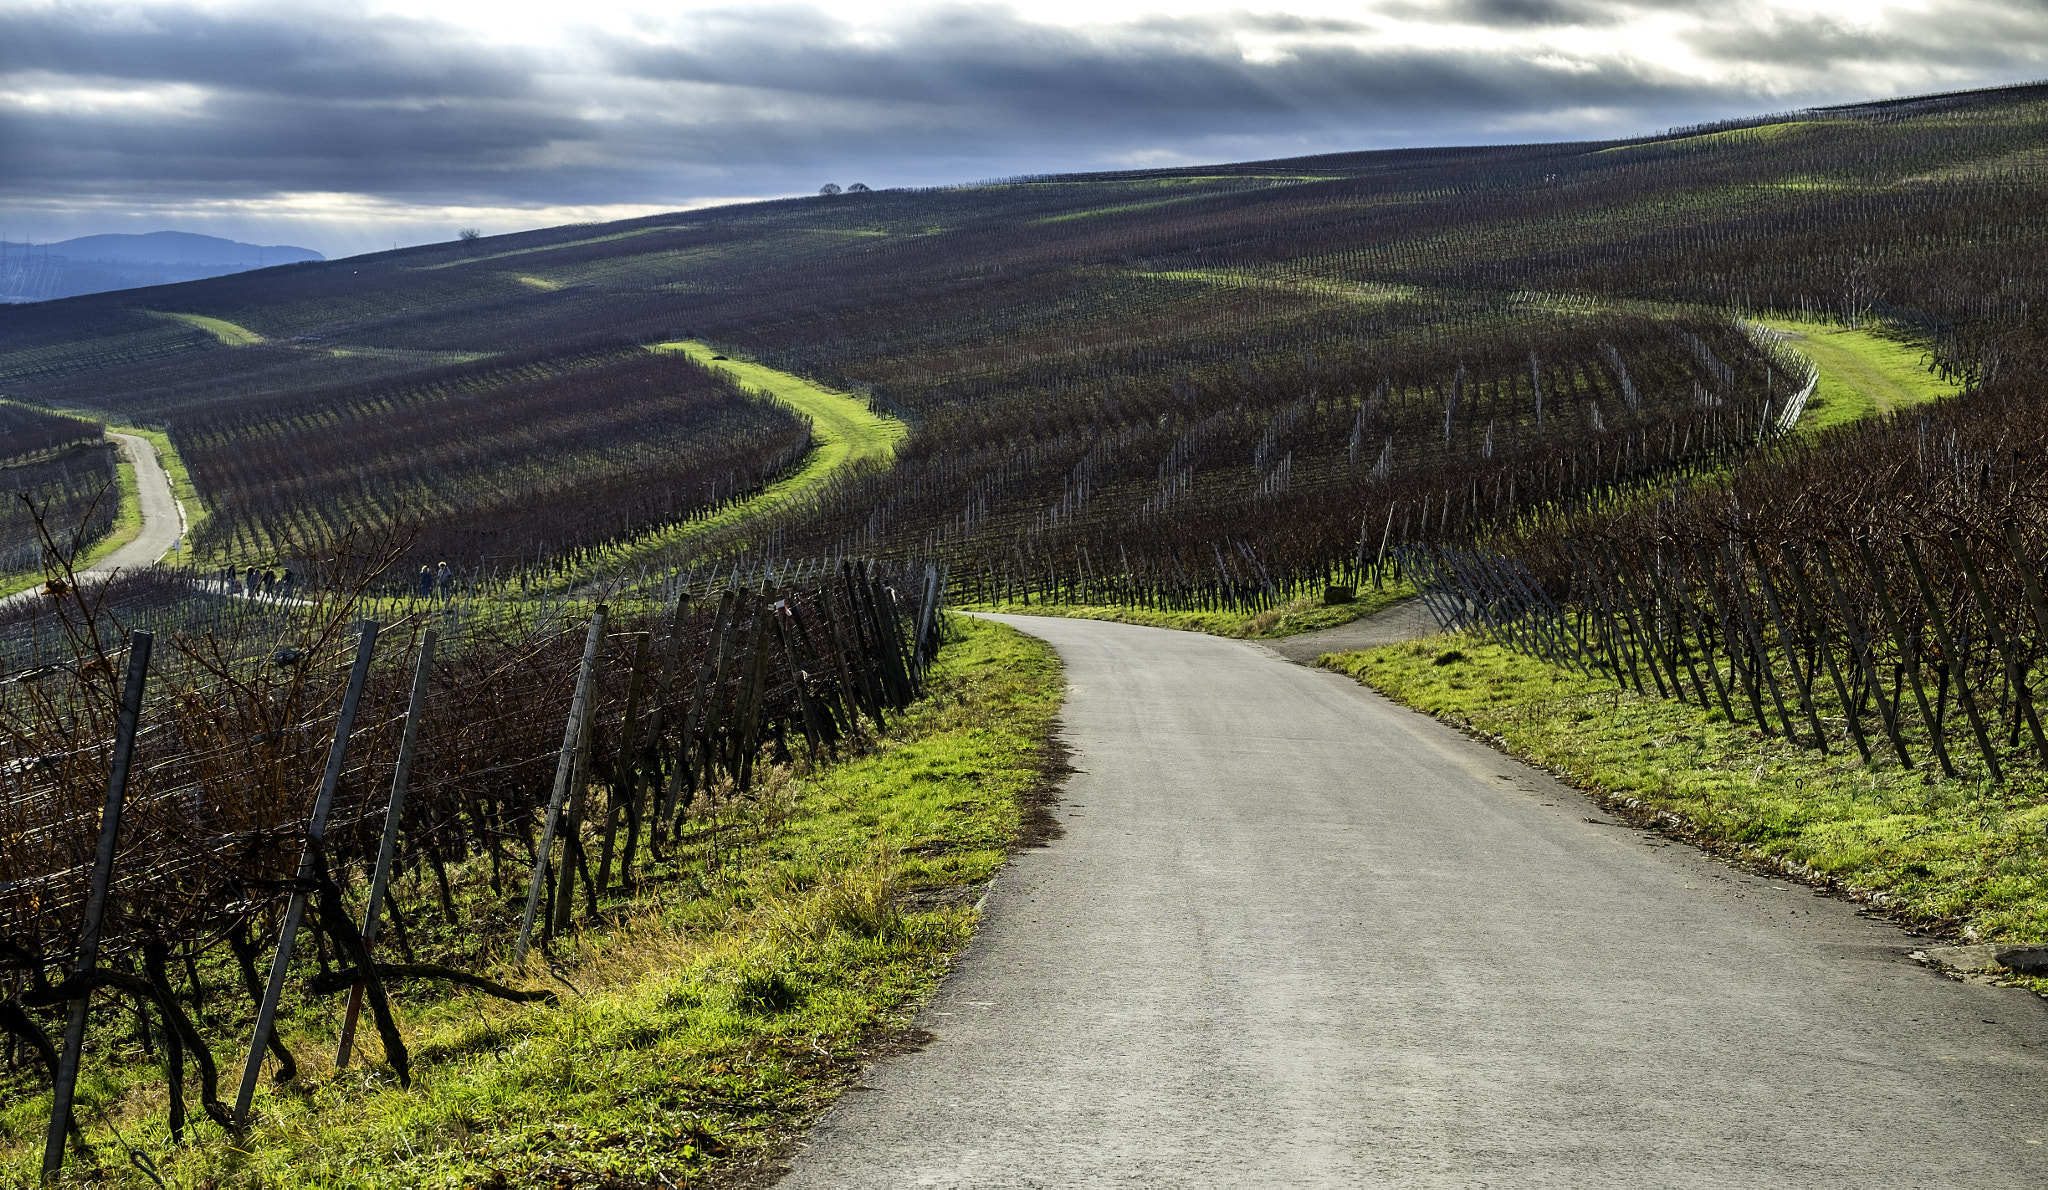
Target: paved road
x=162, y=522
x=1406, y=620
x=1297, y=936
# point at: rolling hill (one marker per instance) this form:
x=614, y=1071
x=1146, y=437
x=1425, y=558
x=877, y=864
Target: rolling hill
x=1227, y=371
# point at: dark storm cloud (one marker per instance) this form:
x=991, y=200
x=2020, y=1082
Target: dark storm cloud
x=307, y=56
x=163, y=103
x=1159, y=76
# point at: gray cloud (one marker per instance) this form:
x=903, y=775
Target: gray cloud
x=1990, y=35
x=761, y=100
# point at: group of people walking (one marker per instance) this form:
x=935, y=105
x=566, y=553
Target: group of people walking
x=254, y=582
x=435, y=582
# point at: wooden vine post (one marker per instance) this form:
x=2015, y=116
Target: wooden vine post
x=139, y=645
x=316, y=830
x=394, y=811
x=564, y=762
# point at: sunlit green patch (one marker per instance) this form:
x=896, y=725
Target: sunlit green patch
x=227, y=332
x=1862, y=373
x=629, y=233
x=844, y=433
x=1735, y=138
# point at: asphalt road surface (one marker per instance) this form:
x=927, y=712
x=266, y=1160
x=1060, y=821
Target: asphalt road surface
x=161, y=522
x=1295, y=935
x=1403, y=621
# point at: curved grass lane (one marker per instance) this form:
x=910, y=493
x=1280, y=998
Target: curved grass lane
x=844, y=434
x=1862, y=373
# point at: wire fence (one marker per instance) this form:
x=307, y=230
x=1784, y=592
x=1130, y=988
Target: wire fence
x=184, y=793
x=1919, y=649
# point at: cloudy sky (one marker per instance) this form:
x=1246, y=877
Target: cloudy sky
x=350, y=126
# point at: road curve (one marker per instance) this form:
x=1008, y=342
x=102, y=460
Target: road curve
x=162, y=520
x=1295, y=935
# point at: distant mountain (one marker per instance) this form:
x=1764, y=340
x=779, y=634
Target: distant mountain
x=95, y=264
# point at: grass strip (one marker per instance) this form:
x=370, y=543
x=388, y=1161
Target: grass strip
x=1295, y=616
x=844, y=433
x=229, y=334
x=1959, y=857
x=698, y=1035
x=1862, y=373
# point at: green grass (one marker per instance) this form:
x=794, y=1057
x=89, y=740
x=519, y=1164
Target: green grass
x=1297, y=616
x=844, y=433
x=731, y=1004
x=1763, y=134
x=1963, y=855
x=628, y=234
x=1862, y=373
x=227, y=332
x=1357, y=291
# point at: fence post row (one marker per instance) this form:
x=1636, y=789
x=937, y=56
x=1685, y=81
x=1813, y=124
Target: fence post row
x=864, y=658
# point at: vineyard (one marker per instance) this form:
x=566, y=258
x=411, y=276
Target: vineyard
x=60, y=469
x=1146, y=364
x=528, y=475
x=289, y=760
x=1878, y=587
x=1538, y=382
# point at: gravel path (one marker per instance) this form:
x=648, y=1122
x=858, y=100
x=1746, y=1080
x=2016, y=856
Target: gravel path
x=1295, y=935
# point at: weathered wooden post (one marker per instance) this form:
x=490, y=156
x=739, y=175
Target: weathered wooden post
x=572, y=822
x=564, y=763
x=139, y=644
x=316, y=830
x=394, y=811
x=625, y=776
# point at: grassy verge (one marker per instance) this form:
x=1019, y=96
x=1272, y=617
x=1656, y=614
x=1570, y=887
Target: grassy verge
x=843, y=434
x=722, y=1009
x=229, y=334
x=1297, y=616
x=1862, y=373
x=1959, y=856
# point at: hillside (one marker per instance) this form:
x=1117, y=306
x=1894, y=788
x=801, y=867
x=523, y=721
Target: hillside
x=1223, y=368
x=98, y=263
